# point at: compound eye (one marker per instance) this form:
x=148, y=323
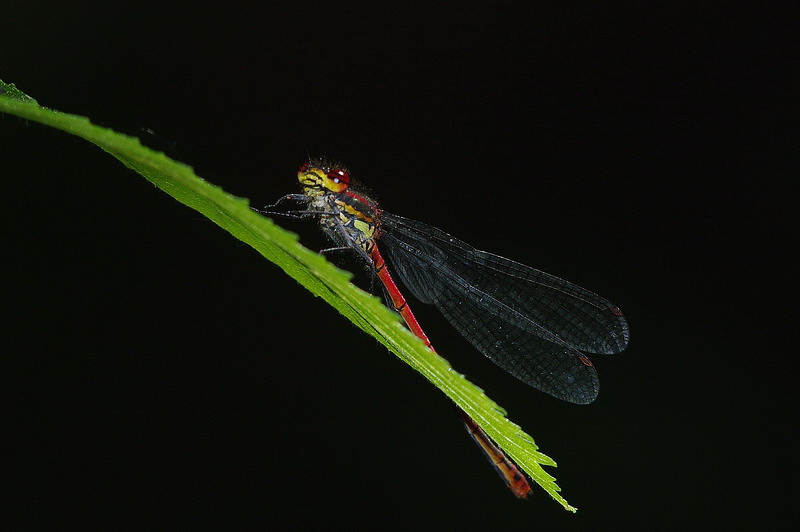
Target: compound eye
x=340, y=178
x=304, y=168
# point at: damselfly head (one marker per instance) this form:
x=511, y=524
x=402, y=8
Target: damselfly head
x=318, y=177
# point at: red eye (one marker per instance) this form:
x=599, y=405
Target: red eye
x=304, y=167
x=339, y=176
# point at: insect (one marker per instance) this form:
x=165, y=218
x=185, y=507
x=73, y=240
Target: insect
x=535, y=326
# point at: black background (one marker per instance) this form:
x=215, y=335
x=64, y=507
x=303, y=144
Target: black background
x=159, y=372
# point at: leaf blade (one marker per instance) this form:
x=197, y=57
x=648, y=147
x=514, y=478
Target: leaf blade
x=309, y=269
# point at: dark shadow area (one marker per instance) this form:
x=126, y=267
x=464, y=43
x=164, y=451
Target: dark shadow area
x=159, y=372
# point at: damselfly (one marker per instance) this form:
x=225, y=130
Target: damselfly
x=532, y=324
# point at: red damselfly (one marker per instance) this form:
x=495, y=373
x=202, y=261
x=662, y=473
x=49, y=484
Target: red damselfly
x=532, y=324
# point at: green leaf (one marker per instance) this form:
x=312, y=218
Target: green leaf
x=310, y=269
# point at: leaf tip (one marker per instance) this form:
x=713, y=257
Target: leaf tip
x=9, y=90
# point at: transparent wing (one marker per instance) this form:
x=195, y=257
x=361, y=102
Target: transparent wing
x=530, y=323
